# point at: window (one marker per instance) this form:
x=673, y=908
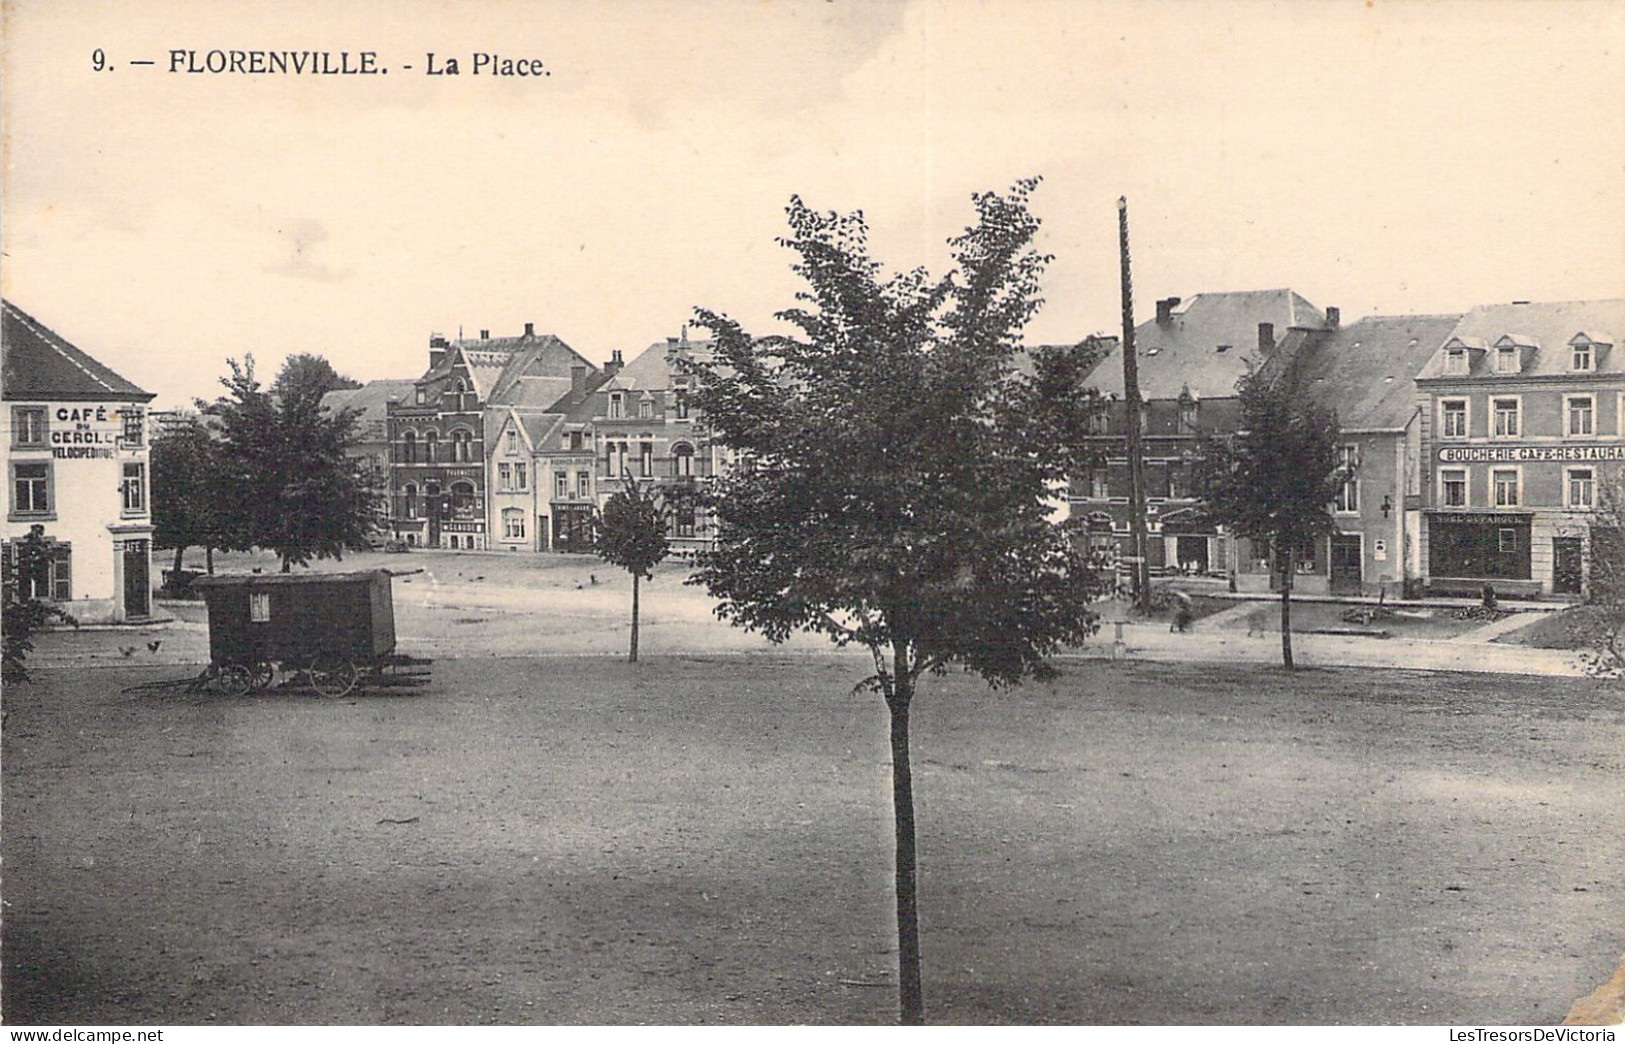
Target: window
x=1581, y=359
x=463, y=504
x=423, y=396
x=411, y=492
x=513, y=442
x=1455, y=361
x=431, y=440
x=1506, y=540
x=615, y=459
x=28, y=426
x=646, y=459
x=1453, y=487
x=685, y=520
x=646, y=408
x=133, y=488
x=575, y=440
x=409, y=448
x=1187, y=416
x=259, y=607
x=1506, y=359
x=1581, y=416
x=519, y=480
x=682, y=406
x=1506, y=487
x=1453, y=418
x=504, y=476
x=1506, y=417
x=1581, y=488
x=462, y=445
x=561, y=484
x=583, y=483
x=31, y=481
x=513, y=524
x=682, y=459
x=135, y=426
x=1348, y=496
x=52, y=581
x=617, y=406
x=1098, y=488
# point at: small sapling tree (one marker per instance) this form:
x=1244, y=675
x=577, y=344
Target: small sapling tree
x=1274, y=480
x=630, y=532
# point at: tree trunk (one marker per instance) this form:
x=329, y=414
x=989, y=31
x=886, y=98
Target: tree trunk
x=208, y=559
x=634, y=657
x=180, y=553
x=287, y=564
x=1286, y=607
x=910, y=998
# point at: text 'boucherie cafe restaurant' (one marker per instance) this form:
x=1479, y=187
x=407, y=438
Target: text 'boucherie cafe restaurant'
x=1523, y=424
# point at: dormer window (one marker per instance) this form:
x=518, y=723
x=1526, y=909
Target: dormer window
x=617, y=406
x=1582, y=359
x=1455, y=361
x=1506, y=358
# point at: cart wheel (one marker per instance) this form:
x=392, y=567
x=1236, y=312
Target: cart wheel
x=235, y=680
x=333, y=676
x=261, y=675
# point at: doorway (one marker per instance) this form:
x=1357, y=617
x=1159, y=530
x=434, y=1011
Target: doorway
x=1346, y=565
x=137, y=580
x=1567, y=565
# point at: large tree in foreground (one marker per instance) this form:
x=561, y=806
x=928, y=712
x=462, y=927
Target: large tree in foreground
x=188, y=496
x=1274, y=480
x=292, y=490
x=630, y=532
x=894, y=475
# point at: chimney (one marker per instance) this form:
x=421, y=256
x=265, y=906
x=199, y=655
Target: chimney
x=578, y=382
x=530, y=329
x=1334, y=317
x=438, y=346
x=615, y=363
x=1266, y=337
x=1165, y=310
x=485, y=335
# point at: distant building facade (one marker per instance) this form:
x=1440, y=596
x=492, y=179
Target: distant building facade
x=1189, y=358
x=77, y=473
x=440, y=438
x=1522, y=409
x=646, y=427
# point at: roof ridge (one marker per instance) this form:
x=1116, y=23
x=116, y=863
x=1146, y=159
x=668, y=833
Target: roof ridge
x=51, y=339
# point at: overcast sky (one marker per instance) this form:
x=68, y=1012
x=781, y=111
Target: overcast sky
x=1385, y=158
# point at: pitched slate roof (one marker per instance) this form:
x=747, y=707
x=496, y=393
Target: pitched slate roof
x=372, y=399
x=1365, y=370
x=1207, y=343
x=651, y=370
x=1546, y=327
x=38, y=364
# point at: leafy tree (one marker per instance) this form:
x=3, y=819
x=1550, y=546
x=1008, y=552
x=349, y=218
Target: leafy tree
x=290, y=488
x=1274, y=480
x=25, y=616
x=188, y=501
x=895, y=475
x=1601, y=621
x=630, y=532
x=306, y=373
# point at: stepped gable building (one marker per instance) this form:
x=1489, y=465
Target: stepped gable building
x=77, y=474
x=645, y=426
x=1190, y=356
x=1522, y=410
x=1366, y=372
x=440, y=437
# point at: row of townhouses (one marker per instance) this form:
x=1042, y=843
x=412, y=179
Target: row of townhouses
x=513, y=443
x=1480, y=444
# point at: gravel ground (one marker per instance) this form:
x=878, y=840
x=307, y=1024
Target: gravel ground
x=707, y=840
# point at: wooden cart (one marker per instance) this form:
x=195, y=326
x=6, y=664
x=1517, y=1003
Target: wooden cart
x=328, y=632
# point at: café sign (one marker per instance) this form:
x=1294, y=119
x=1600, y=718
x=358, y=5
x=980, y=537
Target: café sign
x=1530, y=454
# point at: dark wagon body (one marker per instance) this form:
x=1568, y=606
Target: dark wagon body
x=327, y=629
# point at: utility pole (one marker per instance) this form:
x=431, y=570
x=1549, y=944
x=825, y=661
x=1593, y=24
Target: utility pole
x=1131, y=396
